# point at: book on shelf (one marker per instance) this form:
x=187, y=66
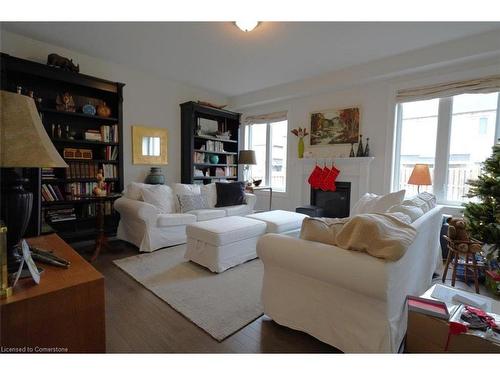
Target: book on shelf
x=109, y=171
x=55, y=215
x=86, y=169
x=48, y=173
x=215, y=146
x=51, y=193
x=198, y=157
x=93, y=135
x=111, y=153
x=109, y=133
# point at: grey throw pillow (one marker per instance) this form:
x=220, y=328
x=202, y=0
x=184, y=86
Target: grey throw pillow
x=193, y=202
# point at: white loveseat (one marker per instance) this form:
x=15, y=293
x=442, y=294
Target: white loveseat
x=348, y=299
x=143, y=225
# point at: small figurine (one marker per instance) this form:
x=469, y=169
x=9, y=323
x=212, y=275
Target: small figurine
x=367, y=147
x=360, y=152
x=100, y=189
x=65, y=103
x=62, y=62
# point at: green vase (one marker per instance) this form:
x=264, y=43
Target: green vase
x=301, y=148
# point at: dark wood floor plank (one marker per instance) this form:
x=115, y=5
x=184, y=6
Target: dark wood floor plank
x=137, y=321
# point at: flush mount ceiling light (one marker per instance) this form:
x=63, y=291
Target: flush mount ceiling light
x=246, y=26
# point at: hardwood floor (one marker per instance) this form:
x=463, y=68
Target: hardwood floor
x=139, y=322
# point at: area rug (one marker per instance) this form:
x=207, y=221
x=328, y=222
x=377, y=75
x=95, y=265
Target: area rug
x=220, y=304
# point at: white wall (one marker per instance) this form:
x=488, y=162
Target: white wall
x=148, y=100
x=372, y=87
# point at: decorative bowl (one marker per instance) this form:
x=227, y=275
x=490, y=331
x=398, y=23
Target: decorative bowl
x=89, y=109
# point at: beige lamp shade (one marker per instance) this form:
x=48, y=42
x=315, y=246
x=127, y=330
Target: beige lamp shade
x=420, y=175
x=24, y=143
x=247, y=157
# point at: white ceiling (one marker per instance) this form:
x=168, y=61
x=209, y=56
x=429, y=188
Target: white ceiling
x=219, y=57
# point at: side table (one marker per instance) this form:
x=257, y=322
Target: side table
x=261, y=188
x=101, y=240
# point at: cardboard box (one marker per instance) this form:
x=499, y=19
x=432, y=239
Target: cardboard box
x=427, y=334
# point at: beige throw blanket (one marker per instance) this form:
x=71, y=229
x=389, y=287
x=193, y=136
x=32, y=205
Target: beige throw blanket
x=386, y=236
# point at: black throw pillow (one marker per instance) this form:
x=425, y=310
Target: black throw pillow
x=230, y=193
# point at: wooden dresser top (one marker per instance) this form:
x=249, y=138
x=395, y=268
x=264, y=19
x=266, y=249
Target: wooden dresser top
x=54, y=278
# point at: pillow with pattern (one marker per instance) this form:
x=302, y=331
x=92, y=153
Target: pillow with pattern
x=192, y=202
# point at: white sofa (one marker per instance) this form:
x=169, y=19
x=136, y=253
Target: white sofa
x=143, y=225
x=348, y=299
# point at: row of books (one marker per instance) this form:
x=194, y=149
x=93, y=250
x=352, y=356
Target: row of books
x=109, y=133
x=70, y=213
x=51, y=193
x=106, y=133
x=48, y=173
x=201, y=157
x=226, y=171
x=71, y=191
x=78, y=169
x=60, y=214
x=214, y=146
x=111, y=153
x=83, y=190
x=110, y=171
x=219, y=172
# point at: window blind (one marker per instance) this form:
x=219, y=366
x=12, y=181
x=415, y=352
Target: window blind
x=472, y=86
x=264, y=119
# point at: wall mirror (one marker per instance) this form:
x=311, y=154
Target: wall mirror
x=149, y=145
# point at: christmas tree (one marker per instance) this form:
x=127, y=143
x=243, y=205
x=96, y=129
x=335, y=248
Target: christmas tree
x=483, y=217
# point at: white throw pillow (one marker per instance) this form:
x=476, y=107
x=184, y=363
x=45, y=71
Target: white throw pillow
x=364, y=204
x=160, y=196
x=428, y=198
x=372, y=203
x=185, y=189
x=134, y=190
x=210, y=193
x=416, y=202
x=193, y=202
x=412, y=211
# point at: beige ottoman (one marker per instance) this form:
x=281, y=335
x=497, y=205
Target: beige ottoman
x=279, y=221
x=223, y=243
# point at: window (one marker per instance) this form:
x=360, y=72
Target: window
x=452, y=135
x=269, y=141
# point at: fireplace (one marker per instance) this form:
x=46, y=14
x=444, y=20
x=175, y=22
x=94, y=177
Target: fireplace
x=333, y=203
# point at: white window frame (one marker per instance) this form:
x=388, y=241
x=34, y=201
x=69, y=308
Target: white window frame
x=269, y=161
x=442, y=152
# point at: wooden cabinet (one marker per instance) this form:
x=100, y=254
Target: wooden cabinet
x=206, y=157
x=64, y=313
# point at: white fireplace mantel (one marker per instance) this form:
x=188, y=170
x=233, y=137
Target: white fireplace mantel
x=353, y=170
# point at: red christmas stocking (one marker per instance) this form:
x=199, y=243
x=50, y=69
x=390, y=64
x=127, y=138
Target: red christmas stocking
x=315, y=177
x=328, y=183
x=324, y=181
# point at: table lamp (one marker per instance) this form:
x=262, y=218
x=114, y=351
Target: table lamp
x=420, y=176
x=24, y=143
x=246, y=157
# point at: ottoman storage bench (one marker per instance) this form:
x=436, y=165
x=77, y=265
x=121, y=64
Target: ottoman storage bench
x=281, y=222
x=223, y=243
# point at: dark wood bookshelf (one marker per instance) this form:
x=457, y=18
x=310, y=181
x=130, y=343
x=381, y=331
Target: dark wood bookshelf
x=193, y=138
x=47, y=82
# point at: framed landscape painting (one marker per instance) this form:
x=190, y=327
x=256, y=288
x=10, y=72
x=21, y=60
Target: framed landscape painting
x=335, y=126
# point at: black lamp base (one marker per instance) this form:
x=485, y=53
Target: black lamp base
x=17, y=204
